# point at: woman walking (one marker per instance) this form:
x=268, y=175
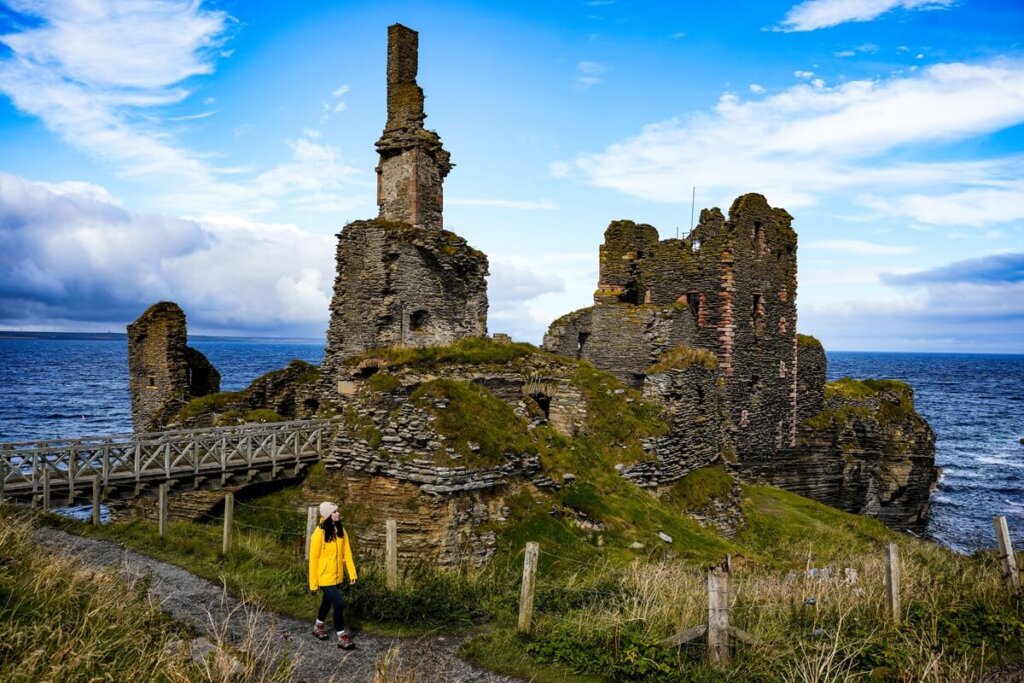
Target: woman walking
x=329, y=557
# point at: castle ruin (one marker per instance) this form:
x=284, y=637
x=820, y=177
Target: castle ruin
x=402, y=280
x=163, y=371
x=728, y=288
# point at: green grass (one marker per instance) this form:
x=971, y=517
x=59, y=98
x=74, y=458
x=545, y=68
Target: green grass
x=698, y=489
x=63, y=621
x=682, y=357
x=478, y=425
x=473, y=351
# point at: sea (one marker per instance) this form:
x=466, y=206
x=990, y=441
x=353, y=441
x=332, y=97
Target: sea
x=68, y=385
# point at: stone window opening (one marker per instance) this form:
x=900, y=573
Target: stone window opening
x=701, y=408
x=311, y=404
x=630, y=295
x=418, y=320
x=756, y=309
x=543, y=402
x=693, y=300
x=755, y=383
x=581, y=341
x=151, y=382
x=695, y=245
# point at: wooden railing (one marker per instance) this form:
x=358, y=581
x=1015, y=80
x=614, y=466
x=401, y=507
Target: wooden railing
x=122, y=460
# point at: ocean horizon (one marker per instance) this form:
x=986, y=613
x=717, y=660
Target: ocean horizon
x=73, y=384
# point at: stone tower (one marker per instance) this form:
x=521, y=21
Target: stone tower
x=402, y=280
x=163, y=371
x=729, y=288
x=413, y=164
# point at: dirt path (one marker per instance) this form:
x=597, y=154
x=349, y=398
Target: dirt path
x=207, y=606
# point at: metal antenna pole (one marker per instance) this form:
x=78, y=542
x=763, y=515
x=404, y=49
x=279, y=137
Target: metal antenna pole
x=693, y=200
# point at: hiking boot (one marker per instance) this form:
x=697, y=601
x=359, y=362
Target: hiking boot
x=345, y=643
x=320, y=631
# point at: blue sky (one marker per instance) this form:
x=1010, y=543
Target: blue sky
x=208, y=152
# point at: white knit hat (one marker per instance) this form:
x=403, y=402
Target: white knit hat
x=327, y=509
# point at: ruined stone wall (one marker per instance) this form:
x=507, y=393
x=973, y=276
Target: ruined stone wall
x=697, y=412
x=730, y=288
x=413, y=163
x=163, y=372
x=812, y=366
x=402, y=286
x=757, y=319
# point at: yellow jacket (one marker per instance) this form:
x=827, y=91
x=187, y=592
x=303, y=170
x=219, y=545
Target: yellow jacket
x=328, y=561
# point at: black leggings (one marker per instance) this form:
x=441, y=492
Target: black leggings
x=332, y=596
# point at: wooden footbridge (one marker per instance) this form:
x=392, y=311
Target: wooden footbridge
x=66, y=471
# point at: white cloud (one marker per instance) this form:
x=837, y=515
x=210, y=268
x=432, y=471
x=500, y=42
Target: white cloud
x=589, y=74
x=542, y=205
x=858, y=247
x=844, y=53
x=71, y=252
x=811, y=15
x=806, y=142
x=757, y=89
x=101, y=75
x=804, y=74
x=338, y=92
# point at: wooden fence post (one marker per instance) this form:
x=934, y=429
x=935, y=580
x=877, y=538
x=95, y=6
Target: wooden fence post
x=96, y=500
x=229, y=518
x=162, y=509
x=892, y=582
x=1010, y=573
x=529, y=579
x=391, y=554
x=46, y=487
x=718, y=617
x=311, y=520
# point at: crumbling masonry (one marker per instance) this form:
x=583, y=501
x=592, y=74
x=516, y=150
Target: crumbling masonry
x=729, y=288
x=403, y=280
x=163, y=371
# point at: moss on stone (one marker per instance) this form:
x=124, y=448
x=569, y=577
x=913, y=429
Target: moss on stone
x=682, y=357
x=211, y=403
x=698, y=489
x=473, y=350
x=478, y=425
x=806, y=340
x=383, y=382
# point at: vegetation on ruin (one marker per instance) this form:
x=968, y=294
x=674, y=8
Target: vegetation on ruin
x=211, y=403
x=888, y=401
x=681, y=357
x=472, y=351
x=479, y=426
x=699, y=488
x=805, y=341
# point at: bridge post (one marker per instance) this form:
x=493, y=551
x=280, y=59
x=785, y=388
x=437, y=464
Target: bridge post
x=138, y=468
x=162, y=512
x=46, y=486
x=96, y=500
x=391, y=554
x=229, y=518
x=3, y=472
x=72, y=456
x=106, y=463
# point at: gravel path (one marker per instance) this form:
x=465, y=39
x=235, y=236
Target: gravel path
x=215, y=614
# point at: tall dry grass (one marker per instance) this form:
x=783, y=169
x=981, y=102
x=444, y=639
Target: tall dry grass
x=813, y=626
x=61, y=621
